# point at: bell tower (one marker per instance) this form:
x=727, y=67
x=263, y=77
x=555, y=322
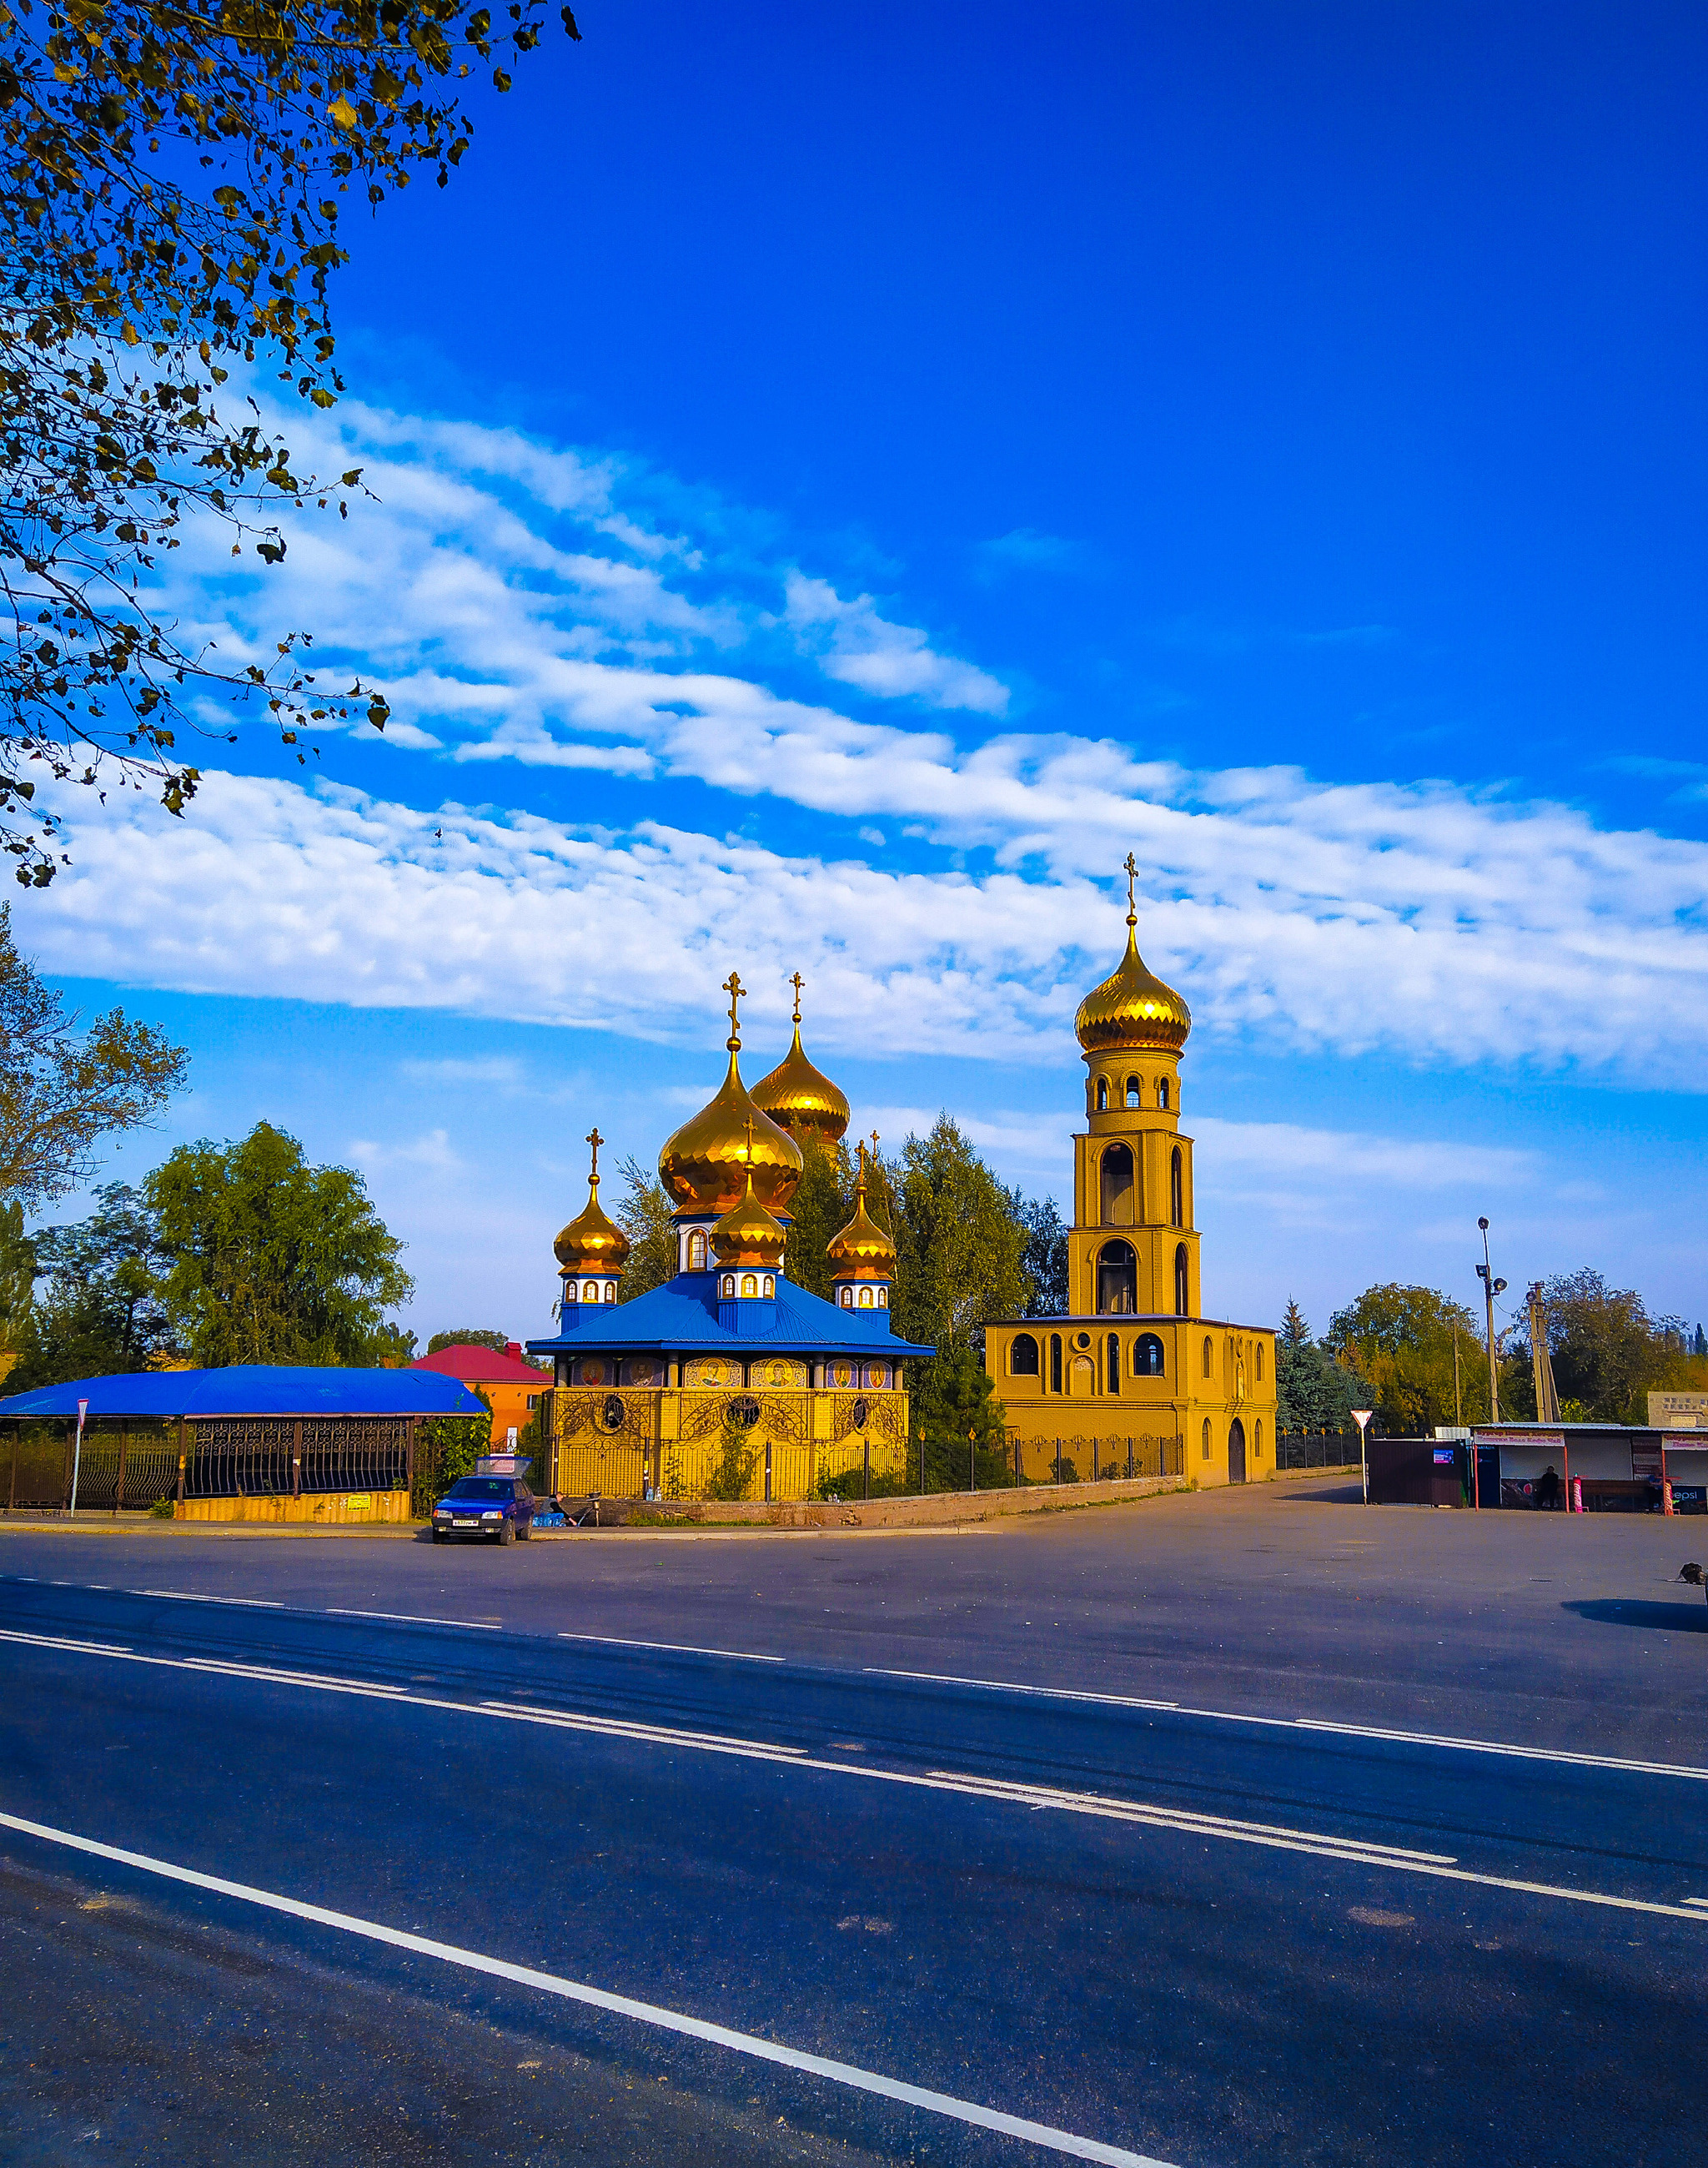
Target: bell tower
x=1133, y=1245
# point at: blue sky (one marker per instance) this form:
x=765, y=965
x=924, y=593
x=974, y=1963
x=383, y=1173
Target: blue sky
x=842, y=480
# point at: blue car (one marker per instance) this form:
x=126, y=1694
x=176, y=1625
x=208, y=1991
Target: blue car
x=493, y=1508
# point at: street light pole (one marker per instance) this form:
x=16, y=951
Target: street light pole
x=77, y=1459
x=1491, y=1288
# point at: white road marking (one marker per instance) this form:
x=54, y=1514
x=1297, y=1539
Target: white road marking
x=1056, y=1693
x=190, y=1595
x=1320, y=1844
x=1565, y=1755
x=674, y=1648
x=621, y=2006
x=414, y=1619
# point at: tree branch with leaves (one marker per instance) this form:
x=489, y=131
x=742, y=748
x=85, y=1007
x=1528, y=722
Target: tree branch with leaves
x=174, y=179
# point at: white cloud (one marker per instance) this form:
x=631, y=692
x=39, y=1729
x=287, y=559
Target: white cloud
x=565, y=612
x=1562, y=946
x=894, y=661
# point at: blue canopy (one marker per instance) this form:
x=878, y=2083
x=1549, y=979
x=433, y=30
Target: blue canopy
x=252, y=1389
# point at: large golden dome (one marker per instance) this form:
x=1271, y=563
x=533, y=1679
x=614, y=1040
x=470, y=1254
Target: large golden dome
x=1133, y=1007
x=591, y=1243
x=747, y=1236
x=862, y=1250
x=705, y=1165
x=798, y=1096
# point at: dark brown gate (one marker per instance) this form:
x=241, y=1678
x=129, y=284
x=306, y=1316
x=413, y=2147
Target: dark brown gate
x=1236, y=1451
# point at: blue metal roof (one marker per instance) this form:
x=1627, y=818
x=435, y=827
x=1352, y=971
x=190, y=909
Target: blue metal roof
x=252, y=1389
x=682, y=1316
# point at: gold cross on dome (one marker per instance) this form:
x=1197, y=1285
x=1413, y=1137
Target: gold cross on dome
x=596, y=1140
x=861, y=1149
x=1132, y=873
x=798, y=982
x=874, y=1143
x=733, y=987
x=750, y=1147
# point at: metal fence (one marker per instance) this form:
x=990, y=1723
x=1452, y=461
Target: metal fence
x=135, y=1464
x=1316, y=1449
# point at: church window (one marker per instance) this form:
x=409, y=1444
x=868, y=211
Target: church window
x=1257, y=1358
x=697, y=1251
x=866, y=1297
x=730, y=1286
x=770, y=1285
x=1177, y=1191
x=1162, y=1093
x=1022, y=1356
x=571, y=1292
x=1182, y=1283
x=1257, y=1439
x=1206, y=1438
x=848, y=1298
x=610, y=1290
x=1102, y=1095
x=1147, y=1356
x=590, y=1293
x=883, y=1298
x=1117, y=1279
x=1115, y=1183
x=1209, y=1356
x=750, y=1283
x=1113, y=1371
x=1055, y=1361
x=1135, y=1095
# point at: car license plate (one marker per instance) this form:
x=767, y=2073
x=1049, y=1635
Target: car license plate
x=465, y=1524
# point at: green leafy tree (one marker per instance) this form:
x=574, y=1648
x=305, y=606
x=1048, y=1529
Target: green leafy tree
x=175, y=178
x=267, y=1259
x=100, y=1311
x=1608, y=1353
x=1401, y=1339
x=18, y=1274
x=643, y=1215
x=1045, y=1258
x=960, y=1241
x=61, y=1089
x=954, y=1398
x=482, y=1338
x=821, y=1206
x=1313, y=1391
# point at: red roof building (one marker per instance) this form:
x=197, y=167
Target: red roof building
x=505, y=1379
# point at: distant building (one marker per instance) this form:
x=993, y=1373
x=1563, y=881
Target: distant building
x=1135, y=1377
x=511, y=1386
x=1678, y=1411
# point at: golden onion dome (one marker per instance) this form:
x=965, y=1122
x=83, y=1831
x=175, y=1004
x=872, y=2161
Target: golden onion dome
x=797, y=1096
x=591, y=1243
x=748, y=1236
x=705, y=1165
x=1132, y=1008
x=862, y=1250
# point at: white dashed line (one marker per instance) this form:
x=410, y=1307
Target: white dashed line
x=620, y=2006
x=673, y=1648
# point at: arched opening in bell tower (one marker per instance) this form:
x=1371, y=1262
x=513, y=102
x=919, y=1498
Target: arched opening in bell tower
x=1117, y=1279
x=1182, y=1283
x=1177, y=1191
x=1115, y=1186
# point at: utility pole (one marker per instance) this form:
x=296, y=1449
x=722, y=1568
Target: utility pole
x=1542, y=1362
x=1458, y=1393
x=1491, y=1288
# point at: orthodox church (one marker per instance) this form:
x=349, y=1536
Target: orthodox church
x=1134, y=1380
x=729, y=1377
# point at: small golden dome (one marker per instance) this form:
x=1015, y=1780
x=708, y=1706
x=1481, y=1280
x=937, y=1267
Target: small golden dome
x=591, y=1243
x=705, y=1165
x=862, y=1250
x=1132, y=1008
x=797, y=1096
x=748, y=1236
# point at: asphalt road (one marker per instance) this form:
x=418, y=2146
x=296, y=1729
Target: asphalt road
x=1316, y=1910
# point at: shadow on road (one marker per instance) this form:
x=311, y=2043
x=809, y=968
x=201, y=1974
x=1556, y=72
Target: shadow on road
x=1339, y=1494
x=1626, y=1611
